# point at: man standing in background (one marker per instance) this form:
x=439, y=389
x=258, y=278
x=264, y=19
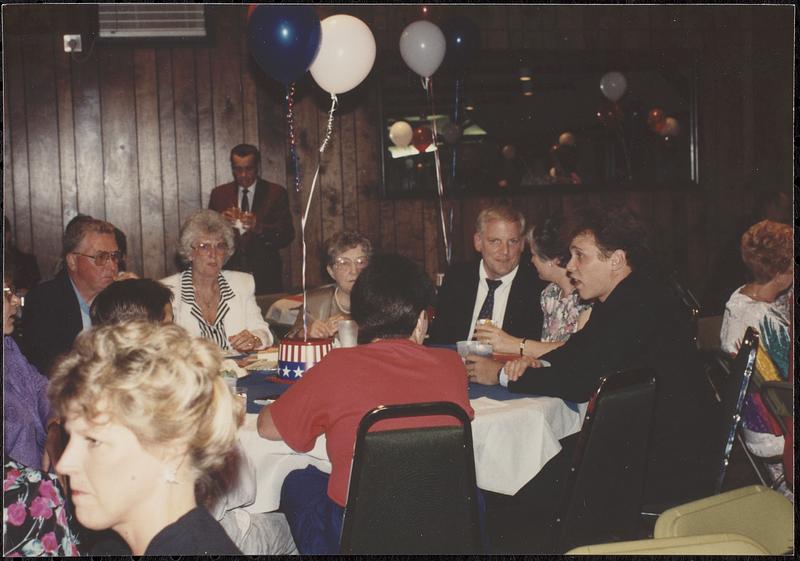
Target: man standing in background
x=259, y=212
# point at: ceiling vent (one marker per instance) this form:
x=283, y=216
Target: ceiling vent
x=151, y=21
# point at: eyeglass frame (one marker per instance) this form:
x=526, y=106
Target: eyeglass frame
x=206, y=248
x=341, y=262
x=104, y=256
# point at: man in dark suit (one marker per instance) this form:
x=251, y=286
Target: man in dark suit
x=635, y=322
x=57, y=310
x=513, y=304
x=265, y=222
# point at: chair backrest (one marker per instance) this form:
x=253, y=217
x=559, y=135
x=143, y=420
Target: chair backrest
x=603, y=490
x=412, y=491
x=711, y=544
x=733, y=391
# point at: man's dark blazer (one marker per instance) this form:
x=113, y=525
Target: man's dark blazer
x=257, y=250
x=640, y=324
x=456, y=302
x=51, y=319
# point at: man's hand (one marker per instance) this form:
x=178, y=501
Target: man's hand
x=248, y=220
x=515, y=368
x=500, y=341
x=482, y=370
x=231, y=214
x=266, y=426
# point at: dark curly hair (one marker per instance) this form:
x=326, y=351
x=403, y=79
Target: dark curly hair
x=613, y=227
x=388, y=297
x=547, y=240
x=767, y=249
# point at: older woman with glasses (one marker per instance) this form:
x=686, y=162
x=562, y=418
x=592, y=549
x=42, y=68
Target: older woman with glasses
x=348, y=254
x=209, y=302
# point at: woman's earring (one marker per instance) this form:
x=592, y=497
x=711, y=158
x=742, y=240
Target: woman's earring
x=171, y=475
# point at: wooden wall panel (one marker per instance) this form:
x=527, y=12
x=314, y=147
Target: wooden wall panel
x=169, y=170
x=120, y=155
x=186, y=145
x=176, y=111
x=148, y=149
x=43, y=150
x=17, y=137
x=66, y=137
x=88, y=136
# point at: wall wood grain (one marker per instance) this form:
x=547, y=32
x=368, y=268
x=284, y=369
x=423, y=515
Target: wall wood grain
x=139, y=133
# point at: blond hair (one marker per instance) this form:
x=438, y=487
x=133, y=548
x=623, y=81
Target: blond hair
x=156, y=380
x=499, y=212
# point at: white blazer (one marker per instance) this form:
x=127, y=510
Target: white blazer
x=243, y=311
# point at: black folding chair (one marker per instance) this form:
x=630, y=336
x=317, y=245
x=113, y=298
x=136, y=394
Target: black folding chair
x=412, y=491
x=733, y=391
x=603, y=490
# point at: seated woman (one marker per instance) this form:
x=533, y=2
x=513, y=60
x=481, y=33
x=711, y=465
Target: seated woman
x=132, y=299
x=389, y=302
x=348, y=253
x=563, y=310
x=30, y=432
x=150, y=420
x=212, y=303
x=767, y=251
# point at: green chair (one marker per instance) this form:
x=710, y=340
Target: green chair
x=761, y=514
x=710, y=544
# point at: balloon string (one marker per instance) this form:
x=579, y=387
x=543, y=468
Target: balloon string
x=456, y=121
x=328, y=135
x=292, y=138
x=428, y=84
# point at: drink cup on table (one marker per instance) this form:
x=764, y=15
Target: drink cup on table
x=348, y=333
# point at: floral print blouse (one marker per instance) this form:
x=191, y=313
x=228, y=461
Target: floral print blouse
x=35, y=518
x=560, y=313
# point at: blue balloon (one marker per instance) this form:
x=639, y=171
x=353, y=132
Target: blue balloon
x=284, y=40
x=463, y=41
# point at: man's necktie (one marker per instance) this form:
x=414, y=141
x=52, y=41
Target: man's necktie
x=245, y=206
x=488, y=304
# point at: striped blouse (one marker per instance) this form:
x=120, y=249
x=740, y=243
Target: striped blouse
x=213, y=331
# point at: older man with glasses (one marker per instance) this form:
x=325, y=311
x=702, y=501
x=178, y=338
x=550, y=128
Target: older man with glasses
x=57, y=310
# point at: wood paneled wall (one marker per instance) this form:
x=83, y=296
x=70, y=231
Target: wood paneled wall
x=139, y=134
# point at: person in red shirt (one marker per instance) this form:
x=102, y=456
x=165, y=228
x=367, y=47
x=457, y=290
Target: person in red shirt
x=390, y=366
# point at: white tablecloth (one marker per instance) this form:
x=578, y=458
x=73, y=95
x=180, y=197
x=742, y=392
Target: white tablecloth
x=283, y=311
x=512, y=441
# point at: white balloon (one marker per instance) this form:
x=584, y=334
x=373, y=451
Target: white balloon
x=422, y=46
x=401, y=133
x=613, y=85
x=346, y=54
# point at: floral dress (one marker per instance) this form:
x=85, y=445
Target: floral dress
x=35, y=518
x=560, y=313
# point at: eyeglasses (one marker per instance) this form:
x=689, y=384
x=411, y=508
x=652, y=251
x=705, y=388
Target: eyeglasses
x=207, y=248
x=344, y=262
x=102, y=257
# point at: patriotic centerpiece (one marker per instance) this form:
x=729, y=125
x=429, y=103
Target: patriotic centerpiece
x=298, y=355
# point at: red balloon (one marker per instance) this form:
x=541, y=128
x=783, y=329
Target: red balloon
x=656, y=119
x=609, y=114
x=423, y=137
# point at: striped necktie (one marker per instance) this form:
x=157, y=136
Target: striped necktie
x=488, y=304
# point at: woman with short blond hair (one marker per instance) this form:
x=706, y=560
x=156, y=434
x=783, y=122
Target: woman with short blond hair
x=150, y=421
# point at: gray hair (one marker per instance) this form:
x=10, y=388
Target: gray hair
x=344, y=240
x=499, y=212
x=204, y=223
